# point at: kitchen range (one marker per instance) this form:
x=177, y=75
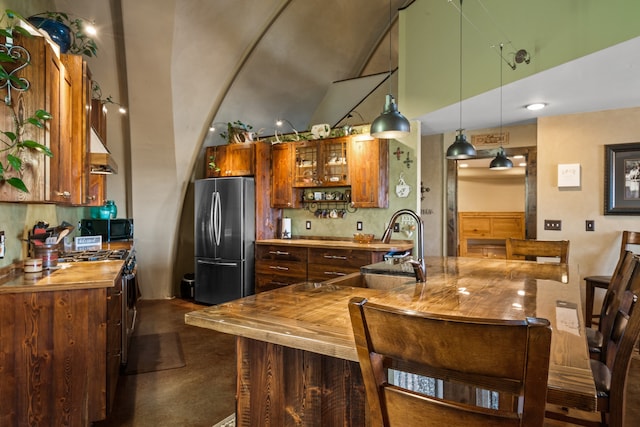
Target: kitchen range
x=130, y=291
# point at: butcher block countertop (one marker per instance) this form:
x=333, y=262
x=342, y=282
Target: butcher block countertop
x=65, y=276
x=376, y=245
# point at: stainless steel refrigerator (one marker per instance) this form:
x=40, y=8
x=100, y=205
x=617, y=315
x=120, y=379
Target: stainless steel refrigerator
x=224, y=239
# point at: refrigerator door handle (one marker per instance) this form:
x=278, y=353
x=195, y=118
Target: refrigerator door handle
x=210, y=225
x=217, y=218
x=224, y=264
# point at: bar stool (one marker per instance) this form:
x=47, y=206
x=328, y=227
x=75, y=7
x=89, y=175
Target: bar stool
x=602, y=282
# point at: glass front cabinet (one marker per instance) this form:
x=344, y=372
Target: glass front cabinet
x=321, y=163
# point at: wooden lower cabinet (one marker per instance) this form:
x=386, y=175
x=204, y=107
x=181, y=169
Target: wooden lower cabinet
x=55, y=361
x=483, y=234
x=283, y=386
x=114, y=340
x=326, y=264
x=278, y=266
x=282, y=265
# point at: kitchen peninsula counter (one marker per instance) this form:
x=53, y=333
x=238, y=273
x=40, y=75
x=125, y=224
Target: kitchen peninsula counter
x=65, y=276
x=295, y=344
x=374, y=246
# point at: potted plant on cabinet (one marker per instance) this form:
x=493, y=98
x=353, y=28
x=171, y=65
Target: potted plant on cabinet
x=73, y=35
x=12, y=142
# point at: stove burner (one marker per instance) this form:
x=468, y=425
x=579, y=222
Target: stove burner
x=98, y=255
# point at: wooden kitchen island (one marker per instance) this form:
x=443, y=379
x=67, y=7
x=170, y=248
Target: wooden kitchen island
x=297, y=363
x=59, y=344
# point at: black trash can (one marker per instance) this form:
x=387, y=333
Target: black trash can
x=187, y=286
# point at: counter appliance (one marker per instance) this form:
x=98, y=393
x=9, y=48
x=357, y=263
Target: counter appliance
x=224, y=239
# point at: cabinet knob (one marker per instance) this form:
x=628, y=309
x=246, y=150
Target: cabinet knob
x=64, y=194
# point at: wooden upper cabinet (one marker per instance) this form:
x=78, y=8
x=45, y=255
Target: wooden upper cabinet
x=80, y=75
x=321, y=163
x=34, y=173
x=369, y=172
x=232, y=159
x=283, y=194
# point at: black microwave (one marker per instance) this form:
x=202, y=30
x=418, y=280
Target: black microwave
x=109, y=229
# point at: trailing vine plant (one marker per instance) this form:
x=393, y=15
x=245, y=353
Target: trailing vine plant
x=12, y=142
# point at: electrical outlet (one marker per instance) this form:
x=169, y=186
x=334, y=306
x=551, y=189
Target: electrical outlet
x=590, y=225
x=359, y=225
x=308, y=225
x=396, y=227
x=553, y=224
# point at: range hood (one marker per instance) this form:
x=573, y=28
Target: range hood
x=100, y=157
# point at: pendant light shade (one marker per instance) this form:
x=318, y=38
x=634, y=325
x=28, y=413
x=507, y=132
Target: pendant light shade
x=461, y=148
x=390, y=124
x=501, y=162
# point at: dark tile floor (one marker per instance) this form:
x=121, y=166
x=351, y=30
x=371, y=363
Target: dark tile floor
x=203, y=392
x=199, y=394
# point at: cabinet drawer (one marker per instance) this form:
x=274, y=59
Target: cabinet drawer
x=322, y=272
x=339, y=257
x=267, y=282
x=281, y=268
x=281, y=253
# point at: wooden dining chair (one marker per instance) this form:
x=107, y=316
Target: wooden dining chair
x=610, y=376
x=531, y=249
x=628, y=240
x=508, y=357
x=620, y=282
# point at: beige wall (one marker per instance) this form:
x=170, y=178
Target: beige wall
x=491, y=194
x=581, y=138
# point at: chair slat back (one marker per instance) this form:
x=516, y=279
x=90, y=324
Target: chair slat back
x=620, y=282
x=621, y=341
x=510, y=357
x=530, y=249
x=629, y=238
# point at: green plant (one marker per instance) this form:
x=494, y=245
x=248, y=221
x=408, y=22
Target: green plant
x=81, y=31
x=235, y=131
x=212, y=164
x=12, y=142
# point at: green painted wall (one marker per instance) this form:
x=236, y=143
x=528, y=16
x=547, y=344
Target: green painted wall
x=552, y=31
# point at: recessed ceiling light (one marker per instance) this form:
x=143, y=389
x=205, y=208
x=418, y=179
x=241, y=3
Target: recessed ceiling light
x=535, y=107
x=522, y=164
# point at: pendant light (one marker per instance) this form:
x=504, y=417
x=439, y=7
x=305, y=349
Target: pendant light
x=501, y=162
x=391, y=123
x=461, y=149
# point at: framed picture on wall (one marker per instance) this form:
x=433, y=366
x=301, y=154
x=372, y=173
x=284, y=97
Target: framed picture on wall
x=622, y=179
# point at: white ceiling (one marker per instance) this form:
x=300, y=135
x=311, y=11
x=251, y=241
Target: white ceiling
x=608, y=79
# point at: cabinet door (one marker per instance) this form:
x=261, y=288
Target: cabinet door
x=283, y=195
x=34, y=173
x=306, y=165
x=59, y=105
x=242, y=158
x=369, y=173
x=334, y=158
x=80, y=76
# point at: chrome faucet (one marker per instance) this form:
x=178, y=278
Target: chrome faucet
x=418, y=265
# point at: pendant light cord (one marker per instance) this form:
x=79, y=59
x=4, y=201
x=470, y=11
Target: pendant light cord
x=460, y=128
x=501, y=46
x=390, y=47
